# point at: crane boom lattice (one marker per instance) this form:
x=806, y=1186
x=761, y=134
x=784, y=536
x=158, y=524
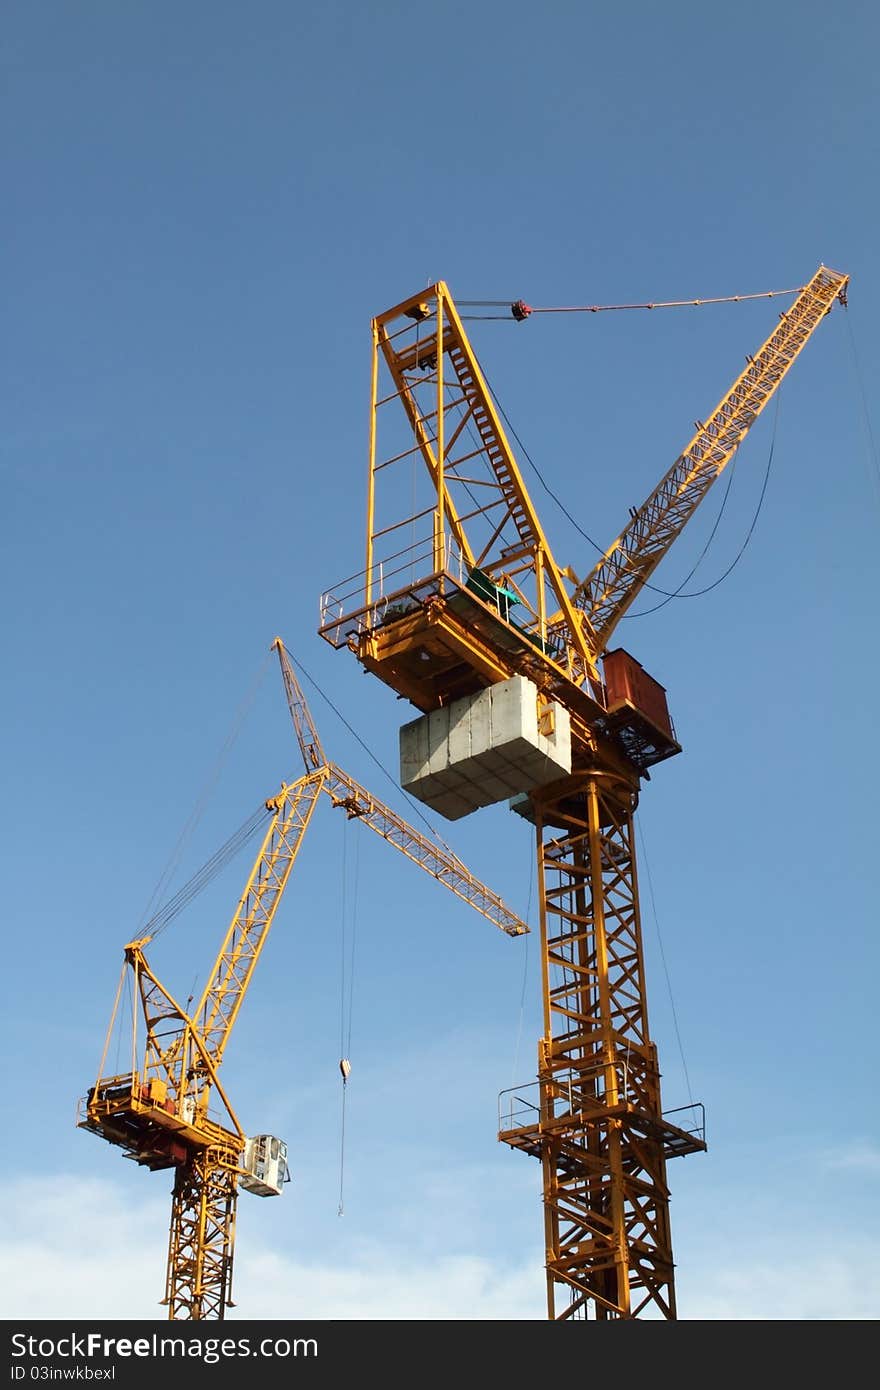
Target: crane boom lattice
x=617, y=579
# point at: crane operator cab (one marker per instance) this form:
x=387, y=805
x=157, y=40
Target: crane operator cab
x=264, y=1165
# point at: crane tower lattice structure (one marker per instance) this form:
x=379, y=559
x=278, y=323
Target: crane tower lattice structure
x=171, y=1112
x=461, y=599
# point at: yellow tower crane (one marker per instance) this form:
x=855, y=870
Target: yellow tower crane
x=170, y=1111
x=463, y=610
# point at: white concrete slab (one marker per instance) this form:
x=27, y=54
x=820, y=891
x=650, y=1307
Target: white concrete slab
x=483, y=749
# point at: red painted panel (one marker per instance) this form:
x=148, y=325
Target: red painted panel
x=627, y=682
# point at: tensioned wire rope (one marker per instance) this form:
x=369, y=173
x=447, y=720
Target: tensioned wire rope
x=154, y=925
x=518, y=310
x=666, y=593
x=644, y=854
x=866, y=418
x=160, y=919
x=698, y=593
x=601, y=308
x=347, y=958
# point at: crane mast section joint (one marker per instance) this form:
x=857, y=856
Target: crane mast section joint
x=620, y=575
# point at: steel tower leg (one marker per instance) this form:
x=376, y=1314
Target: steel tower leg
x=201, y=1239
x=601, y=1133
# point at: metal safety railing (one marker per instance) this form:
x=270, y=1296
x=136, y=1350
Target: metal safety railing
x=403, y=582
x=406, y=577
x=519, y=1107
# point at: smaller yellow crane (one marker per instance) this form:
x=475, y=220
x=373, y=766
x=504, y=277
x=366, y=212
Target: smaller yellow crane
x=163, y=1113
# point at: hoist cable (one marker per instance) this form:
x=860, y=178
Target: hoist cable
x=203, y=876
x=118, y=1020
x=522, y=995
x=354, y=925
x=204, y=796
x=872, y=445
x=344, y=888
x=676, y=593
x=346, y=1025
x=698, y=593
x=667, y=594
x=341, y=1208
x=347, y=948
x=641, y=834
x=541, y=479
x=344, y=878
x=356, y=736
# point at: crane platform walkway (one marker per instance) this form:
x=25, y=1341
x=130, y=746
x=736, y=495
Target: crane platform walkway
x=149, y=1129
x=532, y=1134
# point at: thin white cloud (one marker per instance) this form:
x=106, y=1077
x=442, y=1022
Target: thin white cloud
x=76, y=1249
x=385, y=1285
x=859, y=1156
x=824, y=1285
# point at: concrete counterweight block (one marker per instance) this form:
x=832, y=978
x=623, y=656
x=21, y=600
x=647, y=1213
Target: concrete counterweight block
x=482, y=749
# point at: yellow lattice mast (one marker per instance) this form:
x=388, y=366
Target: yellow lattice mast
x=463, y=610
x=170, y=1111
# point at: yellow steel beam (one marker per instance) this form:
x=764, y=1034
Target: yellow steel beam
x=439, y=861
x=631, y=559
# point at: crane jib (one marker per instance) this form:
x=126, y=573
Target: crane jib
x=617, y=579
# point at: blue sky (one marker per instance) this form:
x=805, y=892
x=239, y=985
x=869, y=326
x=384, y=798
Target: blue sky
x=205, y=206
